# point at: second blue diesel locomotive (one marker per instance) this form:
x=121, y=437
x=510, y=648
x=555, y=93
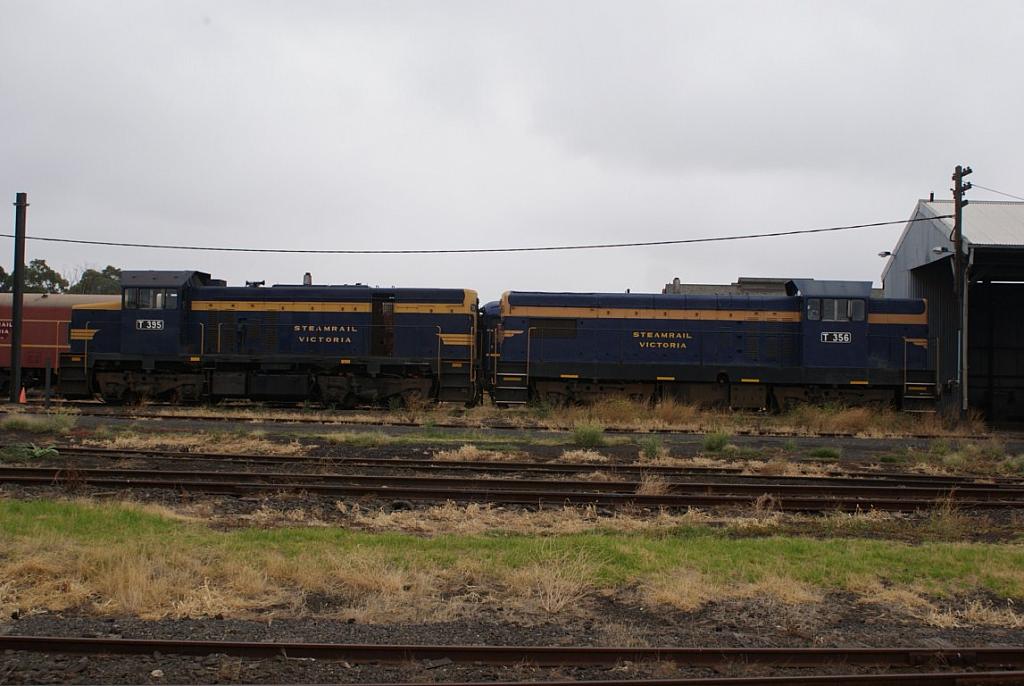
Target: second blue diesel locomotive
x=185, y=336
x=823, y=341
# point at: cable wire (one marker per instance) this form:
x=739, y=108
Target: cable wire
x=596, y=246
x=993, y=190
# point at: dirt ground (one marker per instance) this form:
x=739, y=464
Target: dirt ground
x=840, y=621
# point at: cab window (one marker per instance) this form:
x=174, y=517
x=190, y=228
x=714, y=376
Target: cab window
x=857, y=310
x=841, y=310
x=814, y=309
x=150, y=299
x=828, y=310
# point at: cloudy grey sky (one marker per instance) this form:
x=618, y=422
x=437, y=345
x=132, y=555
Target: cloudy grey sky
x=488, y=124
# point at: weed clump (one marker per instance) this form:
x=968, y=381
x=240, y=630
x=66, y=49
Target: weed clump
x=715, y=442
x=588, y=435
x=825, y=453
x=651, y=448
x=25, y=453
x=652, y=484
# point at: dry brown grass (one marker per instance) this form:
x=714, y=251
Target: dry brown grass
x=622, y=413
x=597, y=475
x=251, y=442
x=152, y=583
x=688, y=590
x=805, y=420
x=582, y=456
x=652, y=484
x=780, y=466
x=552, y=586
x=873, y=422
x=948, y=614
x=452, y=518
x=470, y=453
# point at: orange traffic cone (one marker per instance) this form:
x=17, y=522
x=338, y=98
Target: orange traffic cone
x=21, y=398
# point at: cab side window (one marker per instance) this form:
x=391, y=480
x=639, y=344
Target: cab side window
x=857, y=310
x=840, y=310
x=814, y=309
x=150, y=299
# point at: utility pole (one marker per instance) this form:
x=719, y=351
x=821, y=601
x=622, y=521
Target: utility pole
x=20, y=205
x=961, y=283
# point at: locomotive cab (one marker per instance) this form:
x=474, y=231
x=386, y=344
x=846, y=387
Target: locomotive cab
x=834, y=324
x=154, y=313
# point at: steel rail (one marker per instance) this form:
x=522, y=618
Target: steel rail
x=1008, y=678
x=823, y=488
x=887, y=679
x=91, y=410
x=481, y=493
x=854, y=477
x=545, y=656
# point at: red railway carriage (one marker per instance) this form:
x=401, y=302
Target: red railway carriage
x=45, y=333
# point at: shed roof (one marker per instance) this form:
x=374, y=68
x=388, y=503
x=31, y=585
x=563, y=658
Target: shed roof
x=986, y=222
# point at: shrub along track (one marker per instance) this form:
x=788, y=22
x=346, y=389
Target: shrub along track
x=785, y=658
x=798, y=494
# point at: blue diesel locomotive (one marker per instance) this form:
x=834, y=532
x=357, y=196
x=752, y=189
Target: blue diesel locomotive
x=184, y=336
x=825, y=341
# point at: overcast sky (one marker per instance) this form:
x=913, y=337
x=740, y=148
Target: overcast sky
x=487, y=124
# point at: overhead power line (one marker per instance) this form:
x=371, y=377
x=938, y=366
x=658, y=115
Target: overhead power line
x=993, y=190
x=594, y=246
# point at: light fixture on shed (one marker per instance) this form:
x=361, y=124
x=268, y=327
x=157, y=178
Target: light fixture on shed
x=885, y=253
x=941, y=250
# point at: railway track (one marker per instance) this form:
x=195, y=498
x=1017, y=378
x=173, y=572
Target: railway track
x=1002, y=662
x=542, y=656
x=755, y=486
x=786, y=497
x=859, y=477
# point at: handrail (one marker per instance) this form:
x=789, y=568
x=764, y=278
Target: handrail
x=529, y=338
x=440, y=378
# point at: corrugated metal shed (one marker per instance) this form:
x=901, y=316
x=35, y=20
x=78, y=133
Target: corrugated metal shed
x=921, y=266
x=990, y=223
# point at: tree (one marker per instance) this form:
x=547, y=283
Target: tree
x=39, y=278
x=92, y=282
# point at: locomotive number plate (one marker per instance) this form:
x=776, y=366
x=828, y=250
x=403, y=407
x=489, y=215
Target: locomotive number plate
x=149, y=324
x=836, y=337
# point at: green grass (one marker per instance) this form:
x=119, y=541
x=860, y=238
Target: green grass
x=25, y=453
x=825, y=453
x=39, y=423
x=715, y=442
x=588, y=435
x=615, y=560
x=651, y=447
